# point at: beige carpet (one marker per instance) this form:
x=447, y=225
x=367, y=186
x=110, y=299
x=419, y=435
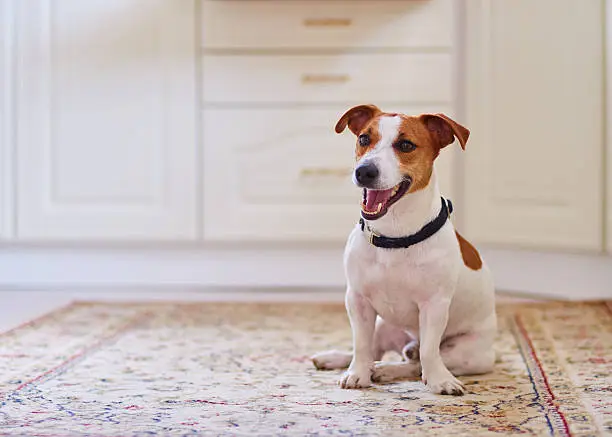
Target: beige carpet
x=243, y=369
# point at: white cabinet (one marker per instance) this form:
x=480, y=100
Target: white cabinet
x=106, y=119
x=533, y=174
x=111, y=130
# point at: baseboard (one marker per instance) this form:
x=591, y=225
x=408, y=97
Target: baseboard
x=520, y=273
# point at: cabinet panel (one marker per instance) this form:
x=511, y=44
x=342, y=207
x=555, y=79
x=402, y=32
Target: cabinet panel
x=106, y=119
x=328, y=78
x=534, y=88
x=282, y=174
x=327, y=24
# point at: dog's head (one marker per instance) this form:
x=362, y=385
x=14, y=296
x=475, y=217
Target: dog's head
x=395, y=152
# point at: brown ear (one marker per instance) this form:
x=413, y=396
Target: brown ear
x=445, y=129
x=356, y=118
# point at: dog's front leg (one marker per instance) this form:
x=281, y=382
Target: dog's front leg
x=363, y=321
x=433, y=317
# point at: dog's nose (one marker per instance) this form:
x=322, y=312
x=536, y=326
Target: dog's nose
x=366, y=174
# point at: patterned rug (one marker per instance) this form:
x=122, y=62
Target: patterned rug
x=104, y=369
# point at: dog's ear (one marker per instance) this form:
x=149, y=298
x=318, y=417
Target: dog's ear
x=356, y=118
x=444, y=129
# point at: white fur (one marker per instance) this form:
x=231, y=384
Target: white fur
x=424, y=293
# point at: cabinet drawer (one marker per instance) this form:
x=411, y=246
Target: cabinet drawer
x=328, y=78
x=327, y=24
x=279, y=174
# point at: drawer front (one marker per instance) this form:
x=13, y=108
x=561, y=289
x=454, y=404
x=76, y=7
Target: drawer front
x=272, y=174
x=328, y=78
x=327, y=24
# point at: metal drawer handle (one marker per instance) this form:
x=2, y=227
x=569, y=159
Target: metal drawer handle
x=323, y=171
x=327, y=22
x=325, y=78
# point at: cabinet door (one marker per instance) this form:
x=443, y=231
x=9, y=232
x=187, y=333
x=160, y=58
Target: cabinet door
x=106, y=119
x=533, y=173
x=282, y=175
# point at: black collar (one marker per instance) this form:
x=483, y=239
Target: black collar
x=403, y=242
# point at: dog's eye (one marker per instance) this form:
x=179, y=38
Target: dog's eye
x=364, y=140
x=405, y=146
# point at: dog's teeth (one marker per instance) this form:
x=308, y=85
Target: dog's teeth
x=379, y=207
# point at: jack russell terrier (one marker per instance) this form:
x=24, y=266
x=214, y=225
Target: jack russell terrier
x=414, y=285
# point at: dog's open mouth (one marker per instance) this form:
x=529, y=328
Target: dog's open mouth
x=376, y=203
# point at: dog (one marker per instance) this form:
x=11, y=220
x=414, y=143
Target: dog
x=415, y=286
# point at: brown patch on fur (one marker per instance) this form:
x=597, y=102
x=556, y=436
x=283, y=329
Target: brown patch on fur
x=471, y=257
x=418, y=163
x=357, y=118
x=430, y=133
x=445, y=130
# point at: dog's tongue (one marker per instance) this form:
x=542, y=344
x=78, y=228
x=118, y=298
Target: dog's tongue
x=374, y=197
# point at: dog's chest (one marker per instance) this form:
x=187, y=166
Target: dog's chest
x=395, y=281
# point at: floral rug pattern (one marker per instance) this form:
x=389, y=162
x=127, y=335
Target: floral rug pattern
x=232, y=369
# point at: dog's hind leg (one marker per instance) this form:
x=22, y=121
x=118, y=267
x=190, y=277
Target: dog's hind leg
x=387, y=338
x=409, y=368
x=332, y=360
x=392, y=371
x=469, y=354
x=465, y=354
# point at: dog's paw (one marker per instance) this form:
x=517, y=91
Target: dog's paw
x=389, y=372
x=445, y=384
x=331, y=360
x=353, y=379
x=383, y=373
